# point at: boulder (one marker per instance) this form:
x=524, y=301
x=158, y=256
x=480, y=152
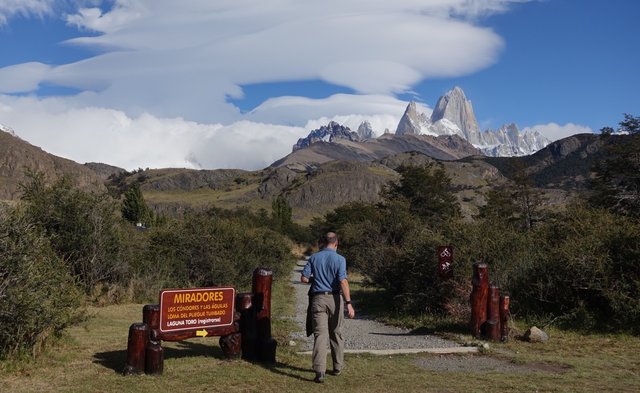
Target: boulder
x=536, y=335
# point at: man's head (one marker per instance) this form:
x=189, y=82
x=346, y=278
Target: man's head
x=330, y=240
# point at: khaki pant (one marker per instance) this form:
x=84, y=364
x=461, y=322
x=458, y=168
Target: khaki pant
x=327, y=331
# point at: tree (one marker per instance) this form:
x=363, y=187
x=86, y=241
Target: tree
x=616, y=185
x=281, y=214
x=134, y=207
x=427, y=189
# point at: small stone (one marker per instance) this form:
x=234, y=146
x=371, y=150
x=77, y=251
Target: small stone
x=292, y=343
x=536, y=335
x=485, y=346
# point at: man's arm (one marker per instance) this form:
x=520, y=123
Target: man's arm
x=346, y=294
x=304, y=279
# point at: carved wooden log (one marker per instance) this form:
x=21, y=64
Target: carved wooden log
x=248, y=327
x=136, y=346
x=151, y=316
x=180, y=335
x=504, y=318
x=231, y=345
x=479, y=297
x=492, y=329
x=262, y=281
x=154, y=363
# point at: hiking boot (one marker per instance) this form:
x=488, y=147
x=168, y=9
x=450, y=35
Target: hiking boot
x=319, y=378
x=336, y=372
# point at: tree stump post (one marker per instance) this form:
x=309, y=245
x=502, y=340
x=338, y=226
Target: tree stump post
x=479, y=297
x=492, y=329
x=266, y=345
x=154, y=363
x=136, y=349
x=504, y=318
x=248, y=325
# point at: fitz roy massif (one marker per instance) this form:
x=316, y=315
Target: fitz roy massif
x=453, y=115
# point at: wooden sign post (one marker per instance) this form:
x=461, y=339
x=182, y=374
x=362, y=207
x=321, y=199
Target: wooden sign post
x=203, y=312
x=445, y=262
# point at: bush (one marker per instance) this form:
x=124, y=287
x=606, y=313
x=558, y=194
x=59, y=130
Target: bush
x=589, y=274
x=82, y=227
x=205, y=250
x=38, y=297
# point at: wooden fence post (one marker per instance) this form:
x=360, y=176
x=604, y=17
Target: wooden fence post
x=504, y=318
x=479, y=297
x=492, y=330
x=266, y=345
x=247, y=326
x=136, y=347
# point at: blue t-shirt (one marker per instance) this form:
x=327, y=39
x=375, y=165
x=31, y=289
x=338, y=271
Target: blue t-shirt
x=328, y=269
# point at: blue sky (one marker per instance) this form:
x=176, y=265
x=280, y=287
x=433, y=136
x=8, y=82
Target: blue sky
x=234, y=83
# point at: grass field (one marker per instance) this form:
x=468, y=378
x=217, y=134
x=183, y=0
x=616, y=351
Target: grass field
x=91, y=357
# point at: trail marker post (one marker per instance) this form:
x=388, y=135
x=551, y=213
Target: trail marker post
x=204, y=312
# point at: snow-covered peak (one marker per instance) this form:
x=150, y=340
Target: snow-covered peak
x=8, y=130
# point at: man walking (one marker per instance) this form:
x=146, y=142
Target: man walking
x=329, y=272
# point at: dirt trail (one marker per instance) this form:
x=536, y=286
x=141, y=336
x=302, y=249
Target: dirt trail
x=365, y=335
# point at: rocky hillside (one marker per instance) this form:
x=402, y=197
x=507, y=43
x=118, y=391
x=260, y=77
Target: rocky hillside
x=338, y=147
x=322, y=176
x=16, y=156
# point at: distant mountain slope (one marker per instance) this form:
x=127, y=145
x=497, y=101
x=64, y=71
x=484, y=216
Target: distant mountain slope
x=566, y=163
x=17, y=155
x=450, y=147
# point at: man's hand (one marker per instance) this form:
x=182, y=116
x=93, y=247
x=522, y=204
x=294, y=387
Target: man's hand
x=351, y=312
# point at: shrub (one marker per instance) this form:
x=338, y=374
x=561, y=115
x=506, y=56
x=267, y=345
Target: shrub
x=38, y=297
x=205, y=250
x=82, y=227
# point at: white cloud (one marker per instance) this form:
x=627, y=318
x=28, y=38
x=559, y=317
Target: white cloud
x=11, y=8
x=300, y=110
x=90, y=134
x=22, y=77
x=170, y=58
x=554, y=131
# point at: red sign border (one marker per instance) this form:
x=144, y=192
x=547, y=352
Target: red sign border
x=233, y=305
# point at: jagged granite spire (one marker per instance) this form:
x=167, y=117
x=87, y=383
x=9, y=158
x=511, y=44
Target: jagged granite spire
x=329, y=133
x=412, y=122
x=365, y=131
x=455, y=108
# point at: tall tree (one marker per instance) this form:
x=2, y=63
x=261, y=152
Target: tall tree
x=427, y=189
x=281, y=214
x=616, y=184
x=134, y=207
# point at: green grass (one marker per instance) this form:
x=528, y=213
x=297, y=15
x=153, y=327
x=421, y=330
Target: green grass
x=91, y=357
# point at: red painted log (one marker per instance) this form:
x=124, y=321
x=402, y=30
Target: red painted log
x=492, y=330
x=262, y=280
x=479, y=297
x=180, y=335
x=266, y=345
x=154, y=362
x=248, y=326
x=136, y=346
x=504, y=318
x=231, y=345
x=151, y=315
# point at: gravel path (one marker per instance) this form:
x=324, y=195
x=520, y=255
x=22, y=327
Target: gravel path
x=363, y=334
